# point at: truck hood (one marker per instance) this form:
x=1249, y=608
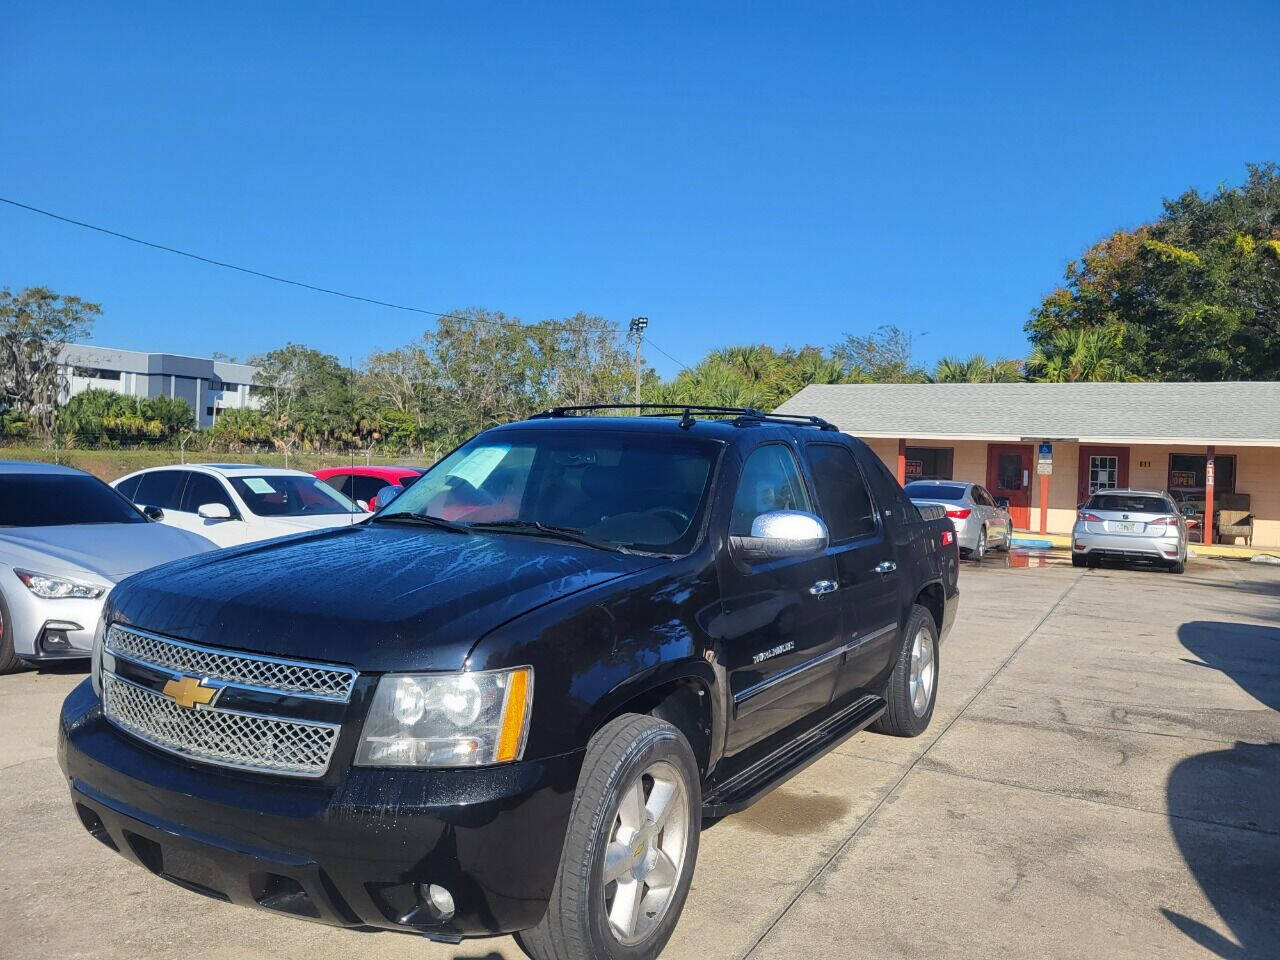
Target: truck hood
x=105, y=551
x=375, y=596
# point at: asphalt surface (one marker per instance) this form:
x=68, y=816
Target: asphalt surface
x=1101, y=779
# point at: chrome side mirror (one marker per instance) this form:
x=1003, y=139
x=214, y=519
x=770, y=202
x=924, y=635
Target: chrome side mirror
x=154, y=514
x=214, y=511
x=387, y=494
x=781, y=535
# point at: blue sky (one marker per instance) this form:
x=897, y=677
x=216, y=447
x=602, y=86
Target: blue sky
x=777, y=172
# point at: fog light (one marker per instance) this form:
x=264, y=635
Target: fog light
x=438, y=900
x=54, y=637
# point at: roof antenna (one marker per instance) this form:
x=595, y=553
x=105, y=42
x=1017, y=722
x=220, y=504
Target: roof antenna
x=355, y=430
x=687, y=420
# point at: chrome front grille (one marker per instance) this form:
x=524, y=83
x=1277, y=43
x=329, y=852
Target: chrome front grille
x=224, y=707
x=225, y=737
x=249, y=670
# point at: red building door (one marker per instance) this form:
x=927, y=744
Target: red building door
x=1102, y=468
x=1009, y=475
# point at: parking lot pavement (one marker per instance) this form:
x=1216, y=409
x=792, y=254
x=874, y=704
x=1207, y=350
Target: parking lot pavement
x=1100, y=779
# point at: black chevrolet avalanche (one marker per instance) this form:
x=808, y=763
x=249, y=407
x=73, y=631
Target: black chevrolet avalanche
x=508, y=701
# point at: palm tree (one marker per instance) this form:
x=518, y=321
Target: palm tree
x=1093, y=355
x=976, y=369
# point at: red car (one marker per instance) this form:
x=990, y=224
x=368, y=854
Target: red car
x=363, y=483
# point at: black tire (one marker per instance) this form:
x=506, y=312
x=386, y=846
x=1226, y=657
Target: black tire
x=1006, y=541
x=9, y=661
x=575, y=926
x=900, y=718
x=979, y=551
x=1179, y=566
x=1078, y=560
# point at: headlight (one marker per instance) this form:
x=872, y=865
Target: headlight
x=447, y=719
x=58, y=588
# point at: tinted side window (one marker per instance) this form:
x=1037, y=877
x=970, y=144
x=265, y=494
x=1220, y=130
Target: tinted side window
x=770, y=481
x=202, y=489
x=982, y=498
x=366, y=488
x=129, y=487
x=842, y=493
x=161, y=488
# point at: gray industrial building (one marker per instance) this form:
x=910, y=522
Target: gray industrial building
x=208, y=386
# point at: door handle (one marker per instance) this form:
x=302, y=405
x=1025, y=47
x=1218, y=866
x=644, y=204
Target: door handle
x=823, y=587
x=884, y=566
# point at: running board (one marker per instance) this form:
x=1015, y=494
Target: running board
x=751, y=784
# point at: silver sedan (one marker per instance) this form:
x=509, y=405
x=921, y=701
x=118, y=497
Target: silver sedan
x=1143, y=525
x=66, y=539
x=980, y=522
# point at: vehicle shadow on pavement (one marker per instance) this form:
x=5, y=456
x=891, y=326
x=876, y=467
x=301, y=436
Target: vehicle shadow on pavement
x=1224, y=806
x=64, y=669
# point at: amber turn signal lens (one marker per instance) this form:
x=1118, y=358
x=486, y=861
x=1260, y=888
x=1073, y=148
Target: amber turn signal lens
x=514, y=716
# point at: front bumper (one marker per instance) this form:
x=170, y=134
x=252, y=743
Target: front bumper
x=355, y=854
x=51, y=629
x=1124, y=546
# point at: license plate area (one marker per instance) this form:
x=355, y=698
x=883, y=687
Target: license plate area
x=1119, y=526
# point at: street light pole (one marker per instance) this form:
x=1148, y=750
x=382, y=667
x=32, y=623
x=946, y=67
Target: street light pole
x=638, y=325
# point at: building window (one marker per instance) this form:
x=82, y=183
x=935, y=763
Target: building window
x=929, y=463
x=208, y=411
x=96, y=373
x=1104, y=473
x=221, y=385
x=1186, y=474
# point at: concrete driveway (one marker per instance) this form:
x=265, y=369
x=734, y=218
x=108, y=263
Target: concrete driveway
x=1102, y=779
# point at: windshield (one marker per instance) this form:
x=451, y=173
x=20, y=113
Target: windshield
x=1130, y=503
x=289, y=496
x=52, y=500
x=933, y=491
x=636, y=491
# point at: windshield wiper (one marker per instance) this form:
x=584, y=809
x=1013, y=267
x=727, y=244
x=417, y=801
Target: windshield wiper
x=424, y=519
x=571, y=534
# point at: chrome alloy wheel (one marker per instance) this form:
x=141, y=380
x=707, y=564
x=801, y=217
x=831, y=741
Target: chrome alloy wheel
x=645, y=853
x=924, y=671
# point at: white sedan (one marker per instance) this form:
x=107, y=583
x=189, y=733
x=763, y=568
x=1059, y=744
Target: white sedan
x=232, y=504
x=65, y=541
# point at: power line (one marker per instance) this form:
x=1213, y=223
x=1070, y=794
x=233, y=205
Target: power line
x=278, y=279
x=550, y=324
x=649, y=341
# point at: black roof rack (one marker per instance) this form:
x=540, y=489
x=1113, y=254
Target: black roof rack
x=741, y=416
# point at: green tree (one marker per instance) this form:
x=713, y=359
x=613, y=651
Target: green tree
x=35, y=325
x=755, y=375
x=883, y=356
x=976, y=369
x=1194, y=295
x=95, y=416
x=485, y=368
x=306, y=394
x=241, y=428
x=1070, y=356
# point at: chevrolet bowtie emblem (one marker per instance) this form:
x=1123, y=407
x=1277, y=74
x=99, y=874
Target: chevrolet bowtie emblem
x=189, y=691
